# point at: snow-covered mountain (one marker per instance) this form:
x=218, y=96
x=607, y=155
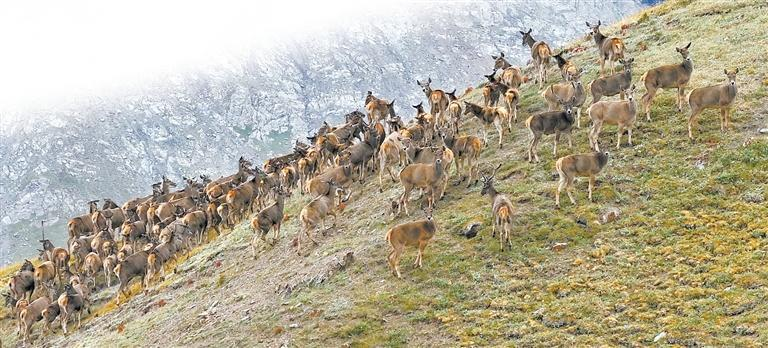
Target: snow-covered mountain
x=57, y=157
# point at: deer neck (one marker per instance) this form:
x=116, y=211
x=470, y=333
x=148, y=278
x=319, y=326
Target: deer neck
x=599, y=38
x=602, y=160
x=492, y=193
x=428, y=91
x=530, y=41
x=688, y=65
x=505, y=64
x=731, y=90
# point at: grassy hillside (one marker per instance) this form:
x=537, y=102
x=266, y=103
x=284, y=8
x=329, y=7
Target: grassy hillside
x=686, y=258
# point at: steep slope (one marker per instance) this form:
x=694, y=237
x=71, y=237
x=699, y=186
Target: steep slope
x=56, y=159
x=685, y=258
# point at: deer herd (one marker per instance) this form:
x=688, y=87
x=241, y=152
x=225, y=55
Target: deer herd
x=137, y=239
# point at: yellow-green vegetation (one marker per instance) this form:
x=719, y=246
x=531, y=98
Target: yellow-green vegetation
x=686, y=257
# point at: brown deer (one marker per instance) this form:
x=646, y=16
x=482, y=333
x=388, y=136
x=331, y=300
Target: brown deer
x=417, y=234
x=611, y=49
x=567, y=68
x=427, y=121
x=495, y=116
x=582, y=165
x=668, y=76
x=378, y=109
x=316, y=211
x=540, y=52
x=613, y=84
x=550, y=122
x=719, y=96
x=454, y=111
x=621, y=113
x=565, y=91
x=390, y=152
x=510, y=75
x=501, y=208
x=425, y=176
x=438, y=101
x=512, y=98
x=465, y=149
x=269, y=218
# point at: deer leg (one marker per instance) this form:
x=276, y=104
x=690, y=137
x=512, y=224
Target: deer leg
x=630, y=136
x=535, y=148
x=422, y=246
x=647, y=100
x=561, y=185
x=569, y=189
x=557, y=139
x=499, y=128
x=570, y=139
x=618, y=140
x=692, y=121
x=398, y=254
x=723, y=119
x=591, y=186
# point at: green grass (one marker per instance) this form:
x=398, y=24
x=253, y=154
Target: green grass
x=687, y=257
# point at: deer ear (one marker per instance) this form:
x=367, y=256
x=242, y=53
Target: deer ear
x=501, y=54
x=737, y=70
x=588, y=26
x=529, y=31
x=688, y=46
x=429, y=79
x=494, y=57
x=522, y=32
x=599, y=23
x=725, y=71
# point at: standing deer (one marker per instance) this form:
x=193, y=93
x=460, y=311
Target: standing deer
x=438, y=101
x=621, y=113
x=571, y=166
x=489, y=115
x=540, y=52
x=567, y=68
x=454, y=111
x=501, y=208
x=668, y=76
x=565, y=91
x=550, y=122
x=613, y=84
x=417, y=233
x=378, y=109
x=510, y=75
x=465, y=148
x=611, y=49
x=316, y=211
x=428, y=177
x=719, y=96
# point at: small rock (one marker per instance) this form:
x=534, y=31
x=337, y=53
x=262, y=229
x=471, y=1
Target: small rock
x=660, y=336
x=763, y=131
x=610, y=214
x=294, y=326
x=581, y=222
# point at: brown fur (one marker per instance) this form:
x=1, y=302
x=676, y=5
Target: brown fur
x=621, y=113
x=417, y=233
x=613, y=84
x=496, y=116
x=425, y=176
x=668, y=76
x=501, y=208
x=719, y=96
x=540, y=53
x=580, y=165
x=611, y=49
x=465, y=149
x=550, y=122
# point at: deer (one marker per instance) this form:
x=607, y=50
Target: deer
x=317, y=210
x=454, y=111
x=496, y=116
x=465, y=148
x=567, y=68
x=621, y=113
x=540, y=52
x=359, y=155
x=719, y=96
x=307, y=167
x=268, y=218
x=424, y=176
x=668, y=76
x=377, y=108
x=501, y=208
x=427, y=121
x=613, y=84
x=30, y=314
x=510, y=75
x=417, y=234
x=82, y=225
x=391, y=151
x=581, y=165
x=512, y=98
x=133, y=266
x=565, y=91
x=550, y=122
x=438, y=101
x=72, y=301
x=343, y=176
x=427, y=155
x=241, y=197
x=611, y=49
